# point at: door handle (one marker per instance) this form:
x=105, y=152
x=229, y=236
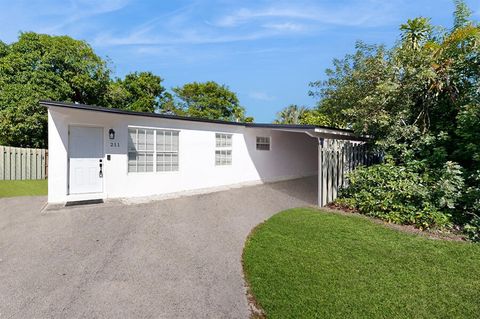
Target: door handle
x=100, y=174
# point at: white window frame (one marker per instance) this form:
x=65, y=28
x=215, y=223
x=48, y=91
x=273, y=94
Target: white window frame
x=138, y=151
x=170, y=152
x=269, y=143
x=155, y=152
x=223, y=149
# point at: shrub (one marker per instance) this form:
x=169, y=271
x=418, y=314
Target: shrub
x=405, y=194
x=471, y=208
x=472, y=229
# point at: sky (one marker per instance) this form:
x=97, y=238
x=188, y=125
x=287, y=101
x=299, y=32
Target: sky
x=266, y=51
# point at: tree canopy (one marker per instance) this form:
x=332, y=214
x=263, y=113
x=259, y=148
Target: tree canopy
x=40, y=66
x=208, y=100
x=291, y=114
x=420, y=100
x=139, y=91
x=43, y=67
x=294, y=114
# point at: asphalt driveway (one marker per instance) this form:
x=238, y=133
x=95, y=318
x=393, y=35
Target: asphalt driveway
x=177, y=258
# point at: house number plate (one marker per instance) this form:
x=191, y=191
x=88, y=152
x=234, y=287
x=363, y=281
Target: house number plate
x=114, y=144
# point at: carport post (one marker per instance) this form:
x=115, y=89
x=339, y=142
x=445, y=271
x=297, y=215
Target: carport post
x=320, y=173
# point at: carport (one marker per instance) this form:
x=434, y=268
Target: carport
x=339, y=151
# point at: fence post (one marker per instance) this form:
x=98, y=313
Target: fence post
x=8, y=159
x=335, y=173
x=320, y=174
x=2, y=162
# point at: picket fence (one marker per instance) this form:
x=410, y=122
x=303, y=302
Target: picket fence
x=335, y=162
x=23, y=163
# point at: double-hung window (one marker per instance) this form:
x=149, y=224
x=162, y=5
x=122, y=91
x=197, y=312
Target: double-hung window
x=263, y=143
x=223, y=149
x=167, y=151
x=149, y=149
x=140, y=150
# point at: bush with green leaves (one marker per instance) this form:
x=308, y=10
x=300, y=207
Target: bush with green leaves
x=405, y=194
x=471, y=208
x=420, y=102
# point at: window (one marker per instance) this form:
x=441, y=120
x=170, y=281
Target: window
x=263, y=143
x=223, y=151
x=140, y=150
x=167, y=151
x=149, y=148
x=223, y=140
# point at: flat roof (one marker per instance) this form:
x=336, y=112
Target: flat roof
x=97, y=108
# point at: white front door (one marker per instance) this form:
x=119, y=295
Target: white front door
x=85, y=148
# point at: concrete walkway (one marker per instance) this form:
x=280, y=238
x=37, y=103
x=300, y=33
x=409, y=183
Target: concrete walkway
x=177, y=258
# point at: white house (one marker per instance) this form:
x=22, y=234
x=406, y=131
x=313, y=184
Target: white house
x=102, y=153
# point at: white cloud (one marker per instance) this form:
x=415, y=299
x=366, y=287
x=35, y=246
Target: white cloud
x=185, y=37
x=366, y=13
x=222, y=23
x=54, y=17
x=286, y=26
x=261, y=96
x=182, y=26
x=84, y=9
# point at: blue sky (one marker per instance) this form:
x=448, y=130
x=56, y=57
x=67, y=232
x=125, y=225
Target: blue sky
x=265, y=51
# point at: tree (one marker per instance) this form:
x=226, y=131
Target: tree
x=315, y=117
x=139, y=91
x=208, y=100
x=420, y=102
x=40, y=66
x=416, y=32
x=292, y=114
x=461, y=15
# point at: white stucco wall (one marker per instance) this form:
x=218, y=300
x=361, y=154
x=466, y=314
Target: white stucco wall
x=292, y=155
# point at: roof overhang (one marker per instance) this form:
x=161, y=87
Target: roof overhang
x=325, y=133
x=311, y=130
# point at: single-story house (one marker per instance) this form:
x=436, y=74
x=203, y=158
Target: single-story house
x=101, y=153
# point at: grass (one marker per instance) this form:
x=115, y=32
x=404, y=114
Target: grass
x=23, y=188
x=304, y=263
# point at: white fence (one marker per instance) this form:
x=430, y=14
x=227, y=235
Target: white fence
x=23, y=163
x=335, y=162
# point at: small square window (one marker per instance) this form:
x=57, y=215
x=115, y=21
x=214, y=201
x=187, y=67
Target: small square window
x=263, y=143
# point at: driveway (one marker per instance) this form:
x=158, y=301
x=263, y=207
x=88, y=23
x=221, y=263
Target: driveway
x=177, y=258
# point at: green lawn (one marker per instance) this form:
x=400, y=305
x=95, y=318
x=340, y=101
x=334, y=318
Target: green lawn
x=304, y=263
x=23, y=188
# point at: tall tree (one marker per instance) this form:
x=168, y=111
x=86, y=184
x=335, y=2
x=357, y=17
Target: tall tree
x=420, y=102
x=292, y=114
x=415, y=32
x=208, y=100
x=139, y=91
x=40, y=66
x=461, y=15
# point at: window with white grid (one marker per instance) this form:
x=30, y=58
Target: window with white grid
x=149, y=148
x=223, y=150
x=263, y=143
x=140, y=150
x=167, y=151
